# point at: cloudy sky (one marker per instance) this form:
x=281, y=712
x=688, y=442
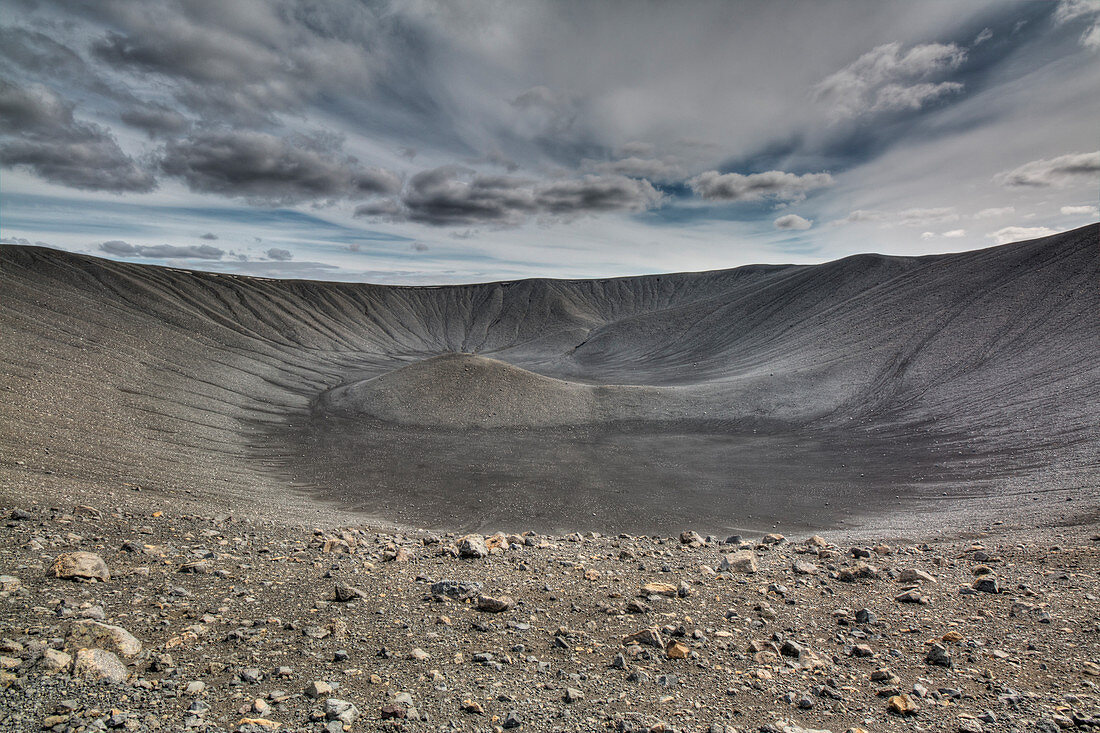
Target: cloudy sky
x=429, y=142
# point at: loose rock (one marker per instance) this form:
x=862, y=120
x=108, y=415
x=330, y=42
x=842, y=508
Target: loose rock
x=494, y=604
x=902, y=705
x=79, y=566
x=742, y=561
x=99, y=664
x=646, y=637
x=104, y=636
x=472, y=546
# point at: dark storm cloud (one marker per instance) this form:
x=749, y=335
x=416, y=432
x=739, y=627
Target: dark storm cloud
x=381, y=209
x=38, y=132
x=561, y=109
x=441, y=198
x=595, y=194
x=416, y=69
x=32, y=110
x=161, y=251
x=28, y=54
x=268, y=169
x=716, y=186
x=453, y=196
x=246, y=59
x=156, y=121
x=35, y=51
x=88, y=159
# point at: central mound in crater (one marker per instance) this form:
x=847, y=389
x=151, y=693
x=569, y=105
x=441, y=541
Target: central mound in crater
x=468, y=391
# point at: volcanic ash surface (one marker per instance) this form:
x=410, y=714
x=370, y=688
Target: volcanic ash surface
x=469, y=391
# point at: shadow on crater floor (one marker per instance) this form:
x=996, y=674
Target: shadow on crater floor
x=617, y=478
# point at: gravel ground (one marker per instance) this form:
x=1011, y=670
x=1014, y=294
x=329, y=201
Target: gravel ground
x=212, y=623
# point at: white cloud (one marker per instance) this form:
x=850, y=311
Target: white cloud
x=995, y=212
x=984, y=36
x=1091, y=37
x=906, y=217
x=886, y=79
x=1087, y=11
x=1019, y=234
x=793, y=221
x=951, y=234
x=1065, y=170
x=1092, y=211
x=717, y=186
x=898, y=97
x=1073, y=9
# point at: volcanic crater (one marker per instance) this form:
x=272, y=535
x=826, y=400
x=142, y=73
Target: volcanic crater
x=872, y=391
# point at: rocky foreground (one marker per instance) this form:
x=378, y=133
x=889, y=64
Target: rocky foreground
x=116, y=621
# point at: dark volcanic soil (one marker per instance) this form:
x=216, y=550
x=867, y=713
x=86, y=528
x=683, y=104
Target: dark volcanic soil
x=885, y=392
x=619, y=478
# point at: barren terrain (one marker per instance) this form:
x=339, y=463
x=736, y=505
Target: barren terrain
x=854, y=496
